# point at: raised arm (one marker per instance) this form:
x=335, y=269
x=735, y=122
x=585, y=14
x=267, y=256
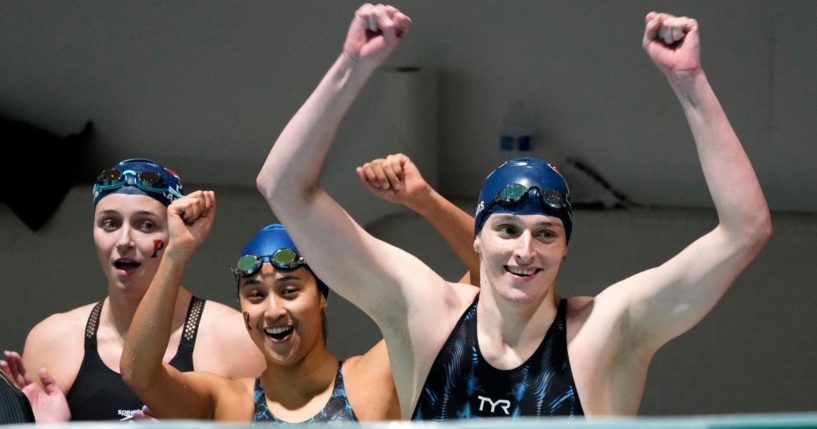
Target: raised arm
x=168, y=392
x=366, y=271
x=407, y=300
x=666, y=301
x=396, y=179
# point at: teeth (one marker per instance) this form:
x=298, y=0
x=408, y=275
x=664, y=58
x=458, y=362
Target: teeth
x=521, y=272
x=279, y=330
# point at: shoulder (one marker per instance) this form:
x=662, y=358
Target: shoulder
x=223, y=346
x=60, y=328
x=57, y=343
x=370, y=385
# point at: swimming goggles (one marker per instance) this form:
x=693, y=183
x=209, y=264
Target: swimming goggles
x=147, y=181
x=283, y=259
x=515, y=193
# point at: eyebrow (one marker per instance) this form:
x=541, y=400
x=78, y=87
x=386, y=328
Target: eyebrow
x=252, y=281
x=515, y=217
x=140, y=212
x=286, y=277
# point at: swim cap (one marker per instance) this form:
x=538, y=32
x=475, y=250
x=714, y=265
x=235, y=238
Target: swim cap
x=139, y=176
x=521, y=178
x=271, y=239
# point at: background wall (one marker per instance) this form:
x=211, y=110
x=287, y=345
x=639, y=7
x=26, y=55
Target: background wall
x=189, y=81
x=205, y=87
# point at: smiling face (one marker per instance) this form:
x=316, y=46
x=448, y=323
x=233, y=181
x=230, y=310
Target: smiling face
x=520, y=255
x=283, y=311
x=130, y=232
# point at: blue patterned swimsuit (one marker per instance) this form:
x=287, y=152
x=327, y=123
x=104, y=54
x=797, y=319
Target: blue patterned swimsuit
x=337, y=408
x=461, y=384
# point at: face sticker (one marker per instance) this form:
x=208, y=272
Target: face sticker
x=247, y=320
x=157, y=246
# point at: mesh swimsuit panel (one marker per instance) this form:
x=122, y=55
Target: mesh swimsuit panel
x=337, y=408
x=461, y=384
x=98, y=393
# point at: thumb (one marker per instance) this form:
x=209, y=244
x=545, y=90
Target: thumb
x=49, y=384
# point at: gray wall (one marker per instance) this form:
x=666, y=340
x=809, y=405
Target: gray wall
x=188, y=81
x=205, y=86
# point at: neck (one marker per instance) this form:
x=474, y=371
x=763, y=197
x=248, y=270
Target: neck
x=295, y=385
x=509, y=332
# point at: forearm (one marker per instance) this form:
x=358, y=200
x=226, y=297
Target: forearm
x=454, y=225
x=149, y=332
x=735, y=190
x=293, y=165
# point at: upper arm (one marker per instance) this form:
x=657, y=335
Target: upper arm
x=173, y=394
x=370, y=385
x=382, y=280
x=56, y=344
x=224, y=348
x=663, y=302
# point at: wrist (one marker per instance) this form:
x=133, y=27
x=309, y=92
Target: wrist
x=178, y=254
x=423, y=201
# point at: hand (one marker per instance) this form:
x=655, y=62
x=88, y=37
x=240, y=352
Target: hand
x=48, y=402
x=375, y=32
x=14, y=369
x=190, y=219
x=145, y=414
x=395, y=179
x=672, y=43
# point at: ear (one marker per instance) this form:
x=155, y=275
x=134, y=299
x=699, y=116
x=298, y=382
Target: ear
x=476, y=245
x=324, y=302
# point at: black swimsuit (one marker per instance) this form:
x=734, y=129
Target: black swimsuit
x=461, y=384
x=98, y=392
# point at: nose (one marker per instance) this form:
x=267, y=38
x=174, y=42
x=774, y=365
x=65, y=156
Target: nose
x=525, y=250
x=125, y=240
x=276, y=308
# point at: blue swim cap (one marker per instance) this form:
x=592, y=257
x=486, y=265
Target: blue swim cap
x=139, y=176
x=272, y=238
x=551, y=195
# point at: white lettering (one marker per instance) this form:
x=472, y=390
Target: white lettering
x=504, y=404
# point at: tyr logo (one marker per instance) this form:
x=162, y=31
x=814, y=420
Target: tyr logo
x=504, y=404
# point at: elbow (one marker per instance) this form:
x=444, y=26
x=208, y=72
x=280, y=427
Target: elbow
x=262, y=183
x=764, y=230
x=759, y=233
x=270, y=186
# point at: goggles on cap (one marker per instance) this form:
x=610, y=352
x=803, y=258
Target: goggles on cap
x=515, y=193
x=147, y=181
x=283, y=259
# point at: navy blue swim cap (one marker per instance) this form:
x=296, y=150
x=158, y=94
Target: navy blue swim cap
x=271, y=239
x=525, y=186
x=139, y=176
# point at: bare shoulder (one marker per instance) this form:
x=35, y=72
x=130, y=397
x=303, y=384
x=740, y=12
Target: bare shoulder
x=223, y=346
x=370, y=385
x=57, y=343
x=59, y=330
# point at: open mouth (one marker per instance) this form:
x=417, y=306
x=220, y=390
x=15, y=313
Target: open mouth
x=279, y=333
x=522, y=272
x=126, y=264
